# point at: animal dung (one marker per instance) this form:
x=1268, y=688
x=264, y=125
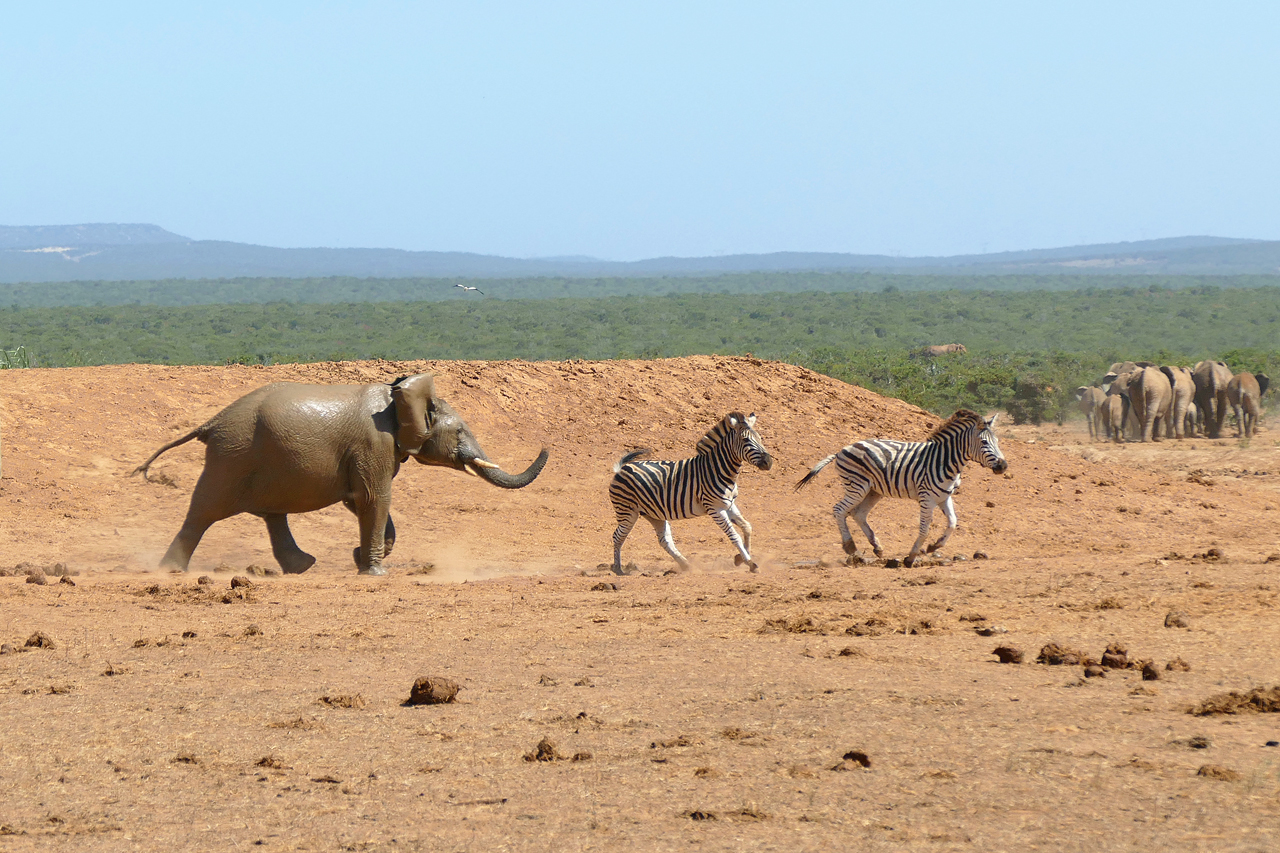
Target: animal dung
x=544, y=751
x=1056, y=655
x=240, y=581
x=1149, y=671
x=854, y=759
x=40, y=640
x=1222, y=774
x=1177, y=620
x=1007, y=654
x=1094, y=671
x=1259, y=700
x=1116, y=657
x=430, y=690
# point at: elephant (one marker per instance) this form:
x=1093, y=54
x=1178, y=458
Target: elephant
x=1114, y=412
x=1090, y=399
x=291, y=447
x=1184, y=391
x=1244, y=392
x=1122, y=415
x=1212, y=379
x=1151, y=397
x=942, y=349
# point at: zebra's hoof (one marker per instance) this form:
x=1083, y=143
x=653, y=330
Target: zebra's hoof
x=850, y=548
x=754, y=568
x=909, y=561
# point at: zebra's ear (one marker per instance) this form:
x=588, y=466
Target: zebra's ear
x=733, y=422
x=991, y=421
x=751, y=420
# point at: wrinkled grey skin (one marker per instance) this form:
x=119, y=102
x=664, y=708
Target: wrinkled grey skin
x=1090, y=400
x=1184, y=392
x=1244, y=392
x=288, y=448
x=1212, y=379
x=1112, y=413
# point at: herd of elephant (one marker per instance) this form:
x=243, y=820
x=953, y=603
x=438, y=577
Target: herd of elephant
x=1143, y=399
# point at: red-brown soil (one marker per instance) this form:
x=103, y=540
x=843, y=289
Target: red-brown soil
x=714, y=708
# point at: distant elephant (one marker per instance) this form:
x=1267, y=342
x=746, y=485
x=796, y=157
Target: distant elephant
x=1090, y=399
x=1189, y=426
x=942, y=349
x=1151, y=397
x=288, y=448
x=1183, y=385
x=1244, y=392
x=1212, y=379
x=1121, y=415
x=1115, y=411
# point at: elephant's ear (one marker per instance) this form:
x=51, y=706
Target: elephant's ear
x=1264, y=382
x=412, y=396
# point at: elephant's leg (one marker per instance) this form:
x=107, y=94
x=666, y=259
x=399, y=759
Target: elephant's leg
x=388, y=539
x=373, y=512
x=625, y=523
x=860, y=513
x=949, y=508
x=662, y=527
x=292, y=559
x=720, y=515
x=204, y=510
x=927, y=503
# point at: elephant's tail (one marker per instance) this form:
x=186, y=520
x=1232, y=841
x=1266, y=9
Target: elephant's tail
x=198, y=432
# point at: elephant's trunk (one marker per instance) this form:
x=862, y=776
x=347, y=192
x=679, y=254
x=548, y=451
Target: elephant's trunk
x=493, y=474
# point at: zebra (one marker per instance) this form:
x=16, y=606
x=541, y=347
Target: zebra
x=928, y=471
x=705, y=484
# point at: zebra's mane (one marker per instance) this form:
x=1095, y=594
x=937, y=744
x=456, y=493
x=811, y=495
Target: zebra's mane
x=958, y=422
x=716, y=434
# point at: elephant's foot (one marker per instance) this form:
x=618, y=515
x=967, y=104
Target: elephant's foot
x=296, y=564
x=375, y=571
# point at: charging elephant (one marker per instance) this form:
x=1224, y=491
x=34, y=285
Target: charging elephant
x=1244, y=392
x=1184, y=392
x=1090, y=402
x=288, y=447
x=1212, y=379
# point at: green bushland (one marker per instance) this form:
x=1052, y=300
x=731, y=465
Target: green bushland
x=1027, y=351
x=347, y=289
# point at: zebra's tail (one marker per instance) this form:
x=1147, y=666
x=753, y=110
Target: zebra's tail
x=631, y=457
x=814, y=472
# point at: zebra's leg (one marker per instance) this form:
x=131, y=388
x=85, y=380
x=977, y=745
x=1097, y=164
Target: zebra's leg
x=927, y=503
x=860, y=513
x=853, y=496
x=625, y=523
x=949, y=507
x=736, y=516
x=662, y=527
x=720, y=515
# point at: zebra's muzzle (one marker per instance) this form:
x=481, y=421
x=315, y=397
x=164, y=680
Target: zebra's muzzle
x=1000, y=467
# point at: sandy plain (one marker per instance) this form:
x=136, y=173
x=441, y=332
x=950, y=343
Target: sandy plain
x=716, y=705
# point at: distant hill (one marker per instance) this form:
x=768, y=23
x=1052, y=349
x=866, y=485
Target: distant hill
x=108, y=252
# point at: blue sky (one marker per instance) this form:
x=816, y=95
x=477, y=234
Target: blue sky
x=630, y=130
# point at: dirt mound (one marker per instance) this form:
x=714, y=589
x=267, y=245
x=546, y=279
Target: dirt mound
x=72, y=436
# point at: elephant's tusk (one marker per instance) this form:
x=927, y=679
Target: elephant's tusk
x=484, y=463
x=466, y=466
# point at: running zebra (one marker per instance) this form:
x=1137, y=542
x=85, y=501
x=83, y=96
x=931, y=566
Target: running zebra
x=706, y=484
x=927, y=471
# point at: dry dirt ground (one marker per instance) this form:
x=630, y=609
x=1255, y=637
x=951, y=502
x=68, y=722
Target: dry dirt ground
x=708, y=710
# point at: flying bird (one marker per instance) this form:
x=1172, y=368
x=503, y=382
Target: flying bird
x=476, y=289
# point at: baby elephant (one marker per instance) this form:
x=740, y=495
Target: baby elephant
x=288, y=448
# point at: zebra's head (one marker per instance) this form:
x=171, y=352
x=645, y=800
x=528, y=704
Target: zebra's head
x=987, y=453
x=736, y=436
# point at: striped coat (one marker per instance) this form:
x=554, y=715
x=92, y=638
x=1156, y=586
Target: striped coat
x=705, y=484
x=925, y=471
